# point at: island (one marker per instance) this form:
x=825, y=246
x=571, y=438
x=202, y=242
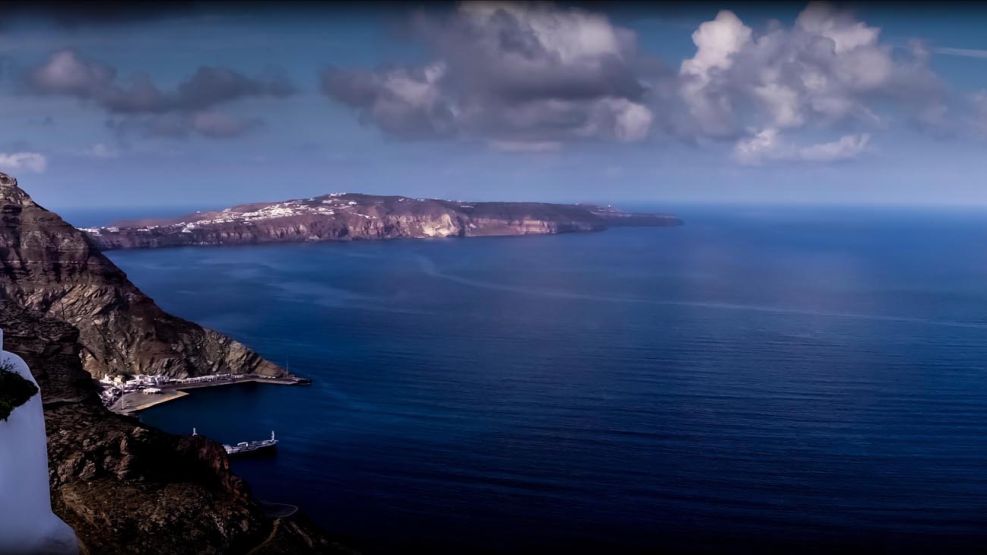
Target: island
x=352, y=216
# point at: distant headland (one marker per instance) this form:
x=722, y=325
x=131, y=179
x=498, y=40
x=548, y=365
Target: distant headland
x=350, y=216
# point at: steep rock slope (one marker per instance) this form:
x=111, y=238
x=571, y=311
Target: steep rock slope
x=51, y=267
x=345, y=217
x=127, y=488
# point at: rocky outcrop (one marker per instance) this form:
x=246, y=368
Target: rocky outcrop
x=346, y=217
x=50, y=267
x=122, y=486
x=127, y=488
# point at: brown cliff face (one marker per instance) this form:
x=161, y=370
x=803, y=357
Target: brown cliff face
x=122, y=486
x=127, y=488
x=346, y=217
x=52, y=268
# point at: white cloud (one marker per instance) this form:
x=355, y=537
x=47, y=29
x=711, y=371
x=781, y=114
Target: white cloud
x=26, y=161
x=752, y=151
x=570, y=36
x=519, y=77
x=508, y=74
x=827, y=68
x=769, y=145
x=821, y=20
x=66, y=72
x=716, y=42
x=632, y=120
x=846, y=147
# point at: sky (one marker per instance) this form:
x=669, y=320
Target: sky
x=208, y=105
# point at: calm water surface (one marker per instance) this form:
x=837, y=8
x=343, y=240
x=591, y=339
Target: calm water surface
x=760, y=378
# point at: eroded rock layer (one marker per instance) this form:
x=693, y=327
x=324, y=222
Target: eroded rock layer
x=54, y=269
x=122, y=486
x=347, y=216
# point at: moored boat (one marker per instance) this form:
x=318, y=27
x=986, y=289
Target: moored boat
x=252, y=447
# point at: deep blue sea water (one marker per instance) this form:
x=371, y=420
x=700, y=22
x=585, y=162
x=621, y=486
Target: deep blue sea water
x=760, y=378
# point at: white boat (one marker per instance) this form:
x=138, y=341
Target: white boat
x=251, y=447
x=248, y=447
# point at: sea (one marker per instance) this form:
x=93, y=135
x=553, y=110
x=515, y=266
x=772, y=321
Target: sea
x=760, y=379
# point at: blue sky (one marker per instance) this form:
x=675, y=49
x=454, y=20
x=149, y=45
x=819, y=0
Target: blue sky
x=713, y=102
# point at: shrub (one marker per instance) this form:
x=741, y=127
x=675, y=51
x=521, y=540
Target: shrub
x=14, y=390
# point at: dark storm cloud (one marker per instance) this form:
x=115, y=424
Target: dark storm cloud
x=535, y=76
x=510, y=75
x=403, y=102
x=214, y=85
x=187, y=109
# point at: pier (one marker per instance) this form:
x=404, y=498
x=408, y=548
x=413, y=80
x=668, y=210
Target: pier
x=143, y=392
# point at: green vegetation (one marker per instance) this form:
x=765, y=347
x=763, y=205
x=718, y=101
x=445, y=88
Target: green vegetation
x=14, y=390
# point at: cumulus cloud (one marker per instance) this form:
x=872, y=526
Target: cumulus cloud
x=827, y=69
x=409, y=103
x=508, y=74
x=23, y=161
x=139, y=102
x=769, y=145
x=525, y=77
x=717, y=42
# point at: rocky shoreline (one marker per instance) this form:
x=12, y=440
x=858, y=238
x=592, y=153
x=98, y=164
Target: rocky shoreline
x=353, y=217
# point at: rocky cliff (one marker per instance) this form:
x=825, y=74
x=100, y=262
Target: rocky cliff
x=127, y=488
x=344, y=217
x=50, y=267
x=122, y=486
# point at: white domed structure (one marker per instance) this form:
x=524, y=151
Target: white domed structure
x=27, y=524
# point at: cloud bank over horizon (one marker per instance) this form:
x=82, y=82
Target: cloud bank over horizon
x=139, y=103
x=509, y=100
x=535, y=77
x=532, y=78
x=508, y=74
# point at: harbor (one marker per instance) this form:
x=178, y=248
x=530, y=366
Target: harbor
x=130, y=396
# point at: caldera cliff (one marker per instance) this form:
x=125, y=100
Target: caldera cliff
x=54, y=269
x=122, y=486
x=347, y=216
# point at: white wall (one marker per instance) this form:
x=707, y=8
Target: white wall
x=27, y=524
